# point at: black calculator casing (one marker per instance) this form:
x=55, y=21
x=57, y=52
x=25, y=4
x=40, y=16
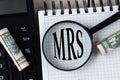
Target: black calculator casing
x=24, y=30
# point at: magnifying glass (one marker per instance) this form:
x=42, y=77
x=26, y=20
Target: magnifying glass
x=68, y=45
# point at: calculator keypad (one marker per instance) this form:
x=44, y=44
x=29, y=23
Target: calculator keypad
x=23, y=35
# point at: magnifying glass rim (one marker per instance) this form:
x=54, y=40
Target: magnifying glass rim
x=85, y=28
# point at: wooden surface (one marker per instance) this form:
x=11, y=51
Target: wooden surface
x=38, y=4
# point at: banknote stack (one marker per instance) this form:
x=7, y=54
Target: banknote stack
x=13, y=50
x=110, y=43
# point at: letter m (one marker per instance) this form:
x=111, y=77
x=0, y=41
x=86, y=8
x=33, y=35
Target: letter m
x=58, y=44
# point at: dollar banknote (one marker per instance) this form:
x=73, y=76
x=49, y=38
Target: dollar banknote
x=13, y=50
x=110, y=43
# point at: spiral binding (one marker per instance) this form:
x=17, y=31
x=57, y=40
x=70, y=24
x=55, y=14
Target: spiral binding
x=77, y=6
x=62, y=8
x=93, y=5
x=117, y=3
x=86, y=5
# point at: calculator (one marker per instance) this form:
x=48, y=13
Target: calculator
x=18, y=17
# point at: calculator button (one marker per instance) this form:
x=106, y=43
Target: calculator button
x=26, y=38
x=2, y=65
x=3, y=75
x=30, y=59
x=1, y=55
x=25, y=28
x=28, y=50
x=30, y=75
x=2, y=52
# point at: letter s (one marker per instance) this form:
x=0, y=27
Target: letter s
x=79, y=43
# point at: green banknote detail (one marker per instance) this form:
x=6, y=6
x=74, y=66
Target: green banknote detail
x=11, y=44
x=112, y=42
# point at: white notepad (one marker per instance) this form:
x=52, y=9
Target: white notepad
x=98, y=67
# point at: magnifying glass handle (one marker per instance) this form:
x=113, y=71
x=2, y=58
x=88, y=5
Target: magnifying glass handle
x=106, y=22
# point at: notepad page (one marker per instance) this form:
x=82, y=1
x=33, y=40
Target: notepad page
x=99, y=67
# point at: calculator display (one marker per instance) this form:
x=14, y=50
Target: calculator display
x=12, y=6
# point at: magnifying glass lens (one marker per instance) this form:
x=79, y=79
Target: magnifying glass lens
x=67, y=45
